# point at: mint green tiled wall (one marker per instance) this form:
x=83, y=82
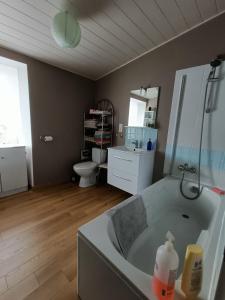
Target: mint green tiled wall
x=142, y=134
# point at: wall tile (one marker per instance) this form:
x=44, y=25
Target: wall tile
x=142, y=134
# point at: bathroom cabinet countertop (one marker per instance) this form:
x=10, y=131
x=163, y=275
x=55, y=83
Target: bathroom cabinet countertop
x=137, y=151
x=11, y=146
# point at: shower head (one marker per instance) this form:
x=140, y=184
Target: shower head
x=212, y=78
x=215, y=63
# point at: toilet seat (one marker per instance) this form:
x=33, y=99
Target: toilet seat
x=87, y=165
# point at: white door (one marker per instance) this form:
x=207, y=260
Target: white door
x=13, y=168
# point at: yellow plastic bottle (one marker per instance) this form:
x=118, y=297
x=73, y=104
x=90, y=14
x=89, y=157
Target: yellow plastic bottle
x=191, y=280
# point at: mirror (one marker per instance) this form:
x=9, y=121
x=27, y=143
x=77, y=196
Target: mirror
x=143, y=107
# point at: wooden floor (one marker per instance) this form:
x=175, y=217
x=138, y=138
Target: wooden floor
x=38, y=239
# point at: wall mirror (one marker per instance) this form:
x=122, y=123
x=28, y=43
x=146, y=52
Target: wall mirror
x=143, y=107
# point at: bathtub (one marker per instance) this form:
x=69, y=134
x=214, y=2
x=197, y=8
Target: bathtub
x=108, y=271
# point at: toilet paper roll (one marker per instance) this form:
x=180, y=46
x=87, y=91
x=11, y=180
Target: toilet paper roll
x=48, y=138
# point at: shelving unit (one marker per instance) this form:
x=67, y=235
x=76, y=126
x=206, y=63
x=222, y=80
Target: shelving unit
x=98, y=125
x=149, y=118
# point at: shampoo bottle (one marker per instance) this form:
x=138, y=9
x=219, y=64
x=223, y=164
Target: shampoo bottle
x=165, y=271
x=192, y=274
x=149, y=145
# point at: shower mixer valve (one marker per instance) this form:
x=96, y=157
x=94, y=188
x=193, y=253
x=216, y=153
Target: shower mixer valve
x=185, y=168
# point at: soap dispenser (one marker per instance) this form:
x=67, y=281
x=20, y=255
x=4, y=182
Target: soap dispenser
x=165, y=271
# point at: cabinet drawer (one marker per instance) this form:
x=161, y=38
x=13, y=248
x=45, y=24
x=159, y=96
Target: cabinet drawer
x=123, y=180
x=121, y=160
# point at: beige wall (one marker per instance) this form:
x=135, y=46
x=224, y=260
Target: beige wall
x=57, y=101
x=158, y=68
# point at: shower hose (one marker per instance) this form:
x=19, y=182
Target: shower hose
x=199, y=190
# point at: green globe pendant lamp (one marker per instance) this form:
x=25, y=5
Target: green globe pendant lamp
x=66, y=30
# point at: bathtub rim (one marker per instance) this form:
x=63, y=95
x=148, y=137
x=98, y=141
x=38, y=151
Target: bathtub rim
x=136, y=277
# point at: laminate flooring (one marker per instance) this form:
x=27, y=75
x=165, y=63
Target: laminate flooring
x=38, y=239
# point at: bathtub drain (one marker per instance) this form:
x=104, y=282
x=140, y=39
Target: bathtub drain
x=185, y=216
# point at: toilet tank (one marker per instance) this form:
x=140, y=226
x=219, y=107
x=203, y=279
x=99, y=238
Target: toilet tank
x=99, y=155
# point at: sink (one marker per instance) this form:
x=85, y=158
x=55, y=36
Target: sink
x=130, y=149
x=135, y=149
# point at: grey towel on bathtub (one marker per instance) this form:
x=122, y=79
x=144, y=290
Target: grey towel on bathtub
x=129, y=221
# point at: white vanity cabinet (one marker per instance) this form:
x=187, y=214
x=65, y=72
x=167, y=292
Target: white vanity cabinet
x=13, y=170
x=129, y=170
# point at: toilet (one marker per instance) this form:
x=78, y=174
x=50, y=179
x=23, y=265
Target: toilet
x=88, y=170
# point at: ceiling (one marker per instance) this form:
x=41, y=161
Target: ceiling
x=113, y=32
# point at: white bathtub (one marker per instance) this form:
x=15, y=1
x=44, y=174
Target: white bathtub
x=198, y=221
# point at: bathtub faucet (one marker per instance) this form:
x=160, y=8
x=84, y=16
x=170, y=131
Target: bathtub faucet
x=185, y=168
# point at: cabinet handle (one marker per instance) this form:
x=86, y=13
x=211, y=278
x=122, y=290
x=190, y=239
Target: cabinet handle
x=115, y=156
x=127, y=179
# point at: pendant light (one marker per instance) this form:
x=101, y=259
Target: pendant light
x=66, y=30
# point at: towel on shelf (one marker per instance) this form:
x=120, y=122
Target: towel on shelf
x=103, y=137
x=90, y=123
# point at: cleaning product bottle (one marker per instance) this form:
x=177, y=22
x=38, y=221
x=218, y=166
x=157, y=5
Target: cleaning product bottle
x=191, y=280
x=165, y=271
x=149, y=145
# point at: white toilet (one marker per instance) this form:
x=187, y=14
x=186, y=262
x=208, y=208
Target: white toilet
x=88, y=170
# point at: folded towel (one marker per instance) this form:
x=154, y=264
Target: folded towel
x=129, y=221
x=103, y=134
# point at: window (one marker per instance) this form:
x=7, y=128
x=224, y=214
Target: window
x=10, y=113
x=136, y=112
x=15, y=122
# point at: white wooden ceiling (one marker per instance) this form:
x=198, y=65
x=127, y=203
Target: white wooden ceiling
x=113, y=32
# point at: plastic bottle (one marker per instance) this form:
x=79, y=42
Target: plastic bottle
x=149, y=145
x=191, y=280
x=165, y=271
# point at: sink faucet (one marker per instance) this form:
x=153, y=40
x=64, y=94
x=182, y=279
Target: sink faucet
x=135, y=143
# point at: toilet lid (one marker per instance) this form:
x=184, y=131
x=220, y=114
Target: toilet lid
x=86, y=165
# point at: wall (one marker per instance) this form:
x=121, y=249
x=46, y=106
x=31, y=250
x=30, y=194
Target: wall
x=57, y=101
x=158, y=68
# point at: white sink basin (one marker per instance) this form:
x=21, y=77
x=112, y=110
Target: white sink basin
x=136, y=149
x=130, y=149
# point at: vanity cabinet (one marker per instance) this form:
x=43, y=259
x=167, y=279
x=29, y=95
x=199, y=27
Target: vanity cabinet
x=129, y=170
x=13, y=170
